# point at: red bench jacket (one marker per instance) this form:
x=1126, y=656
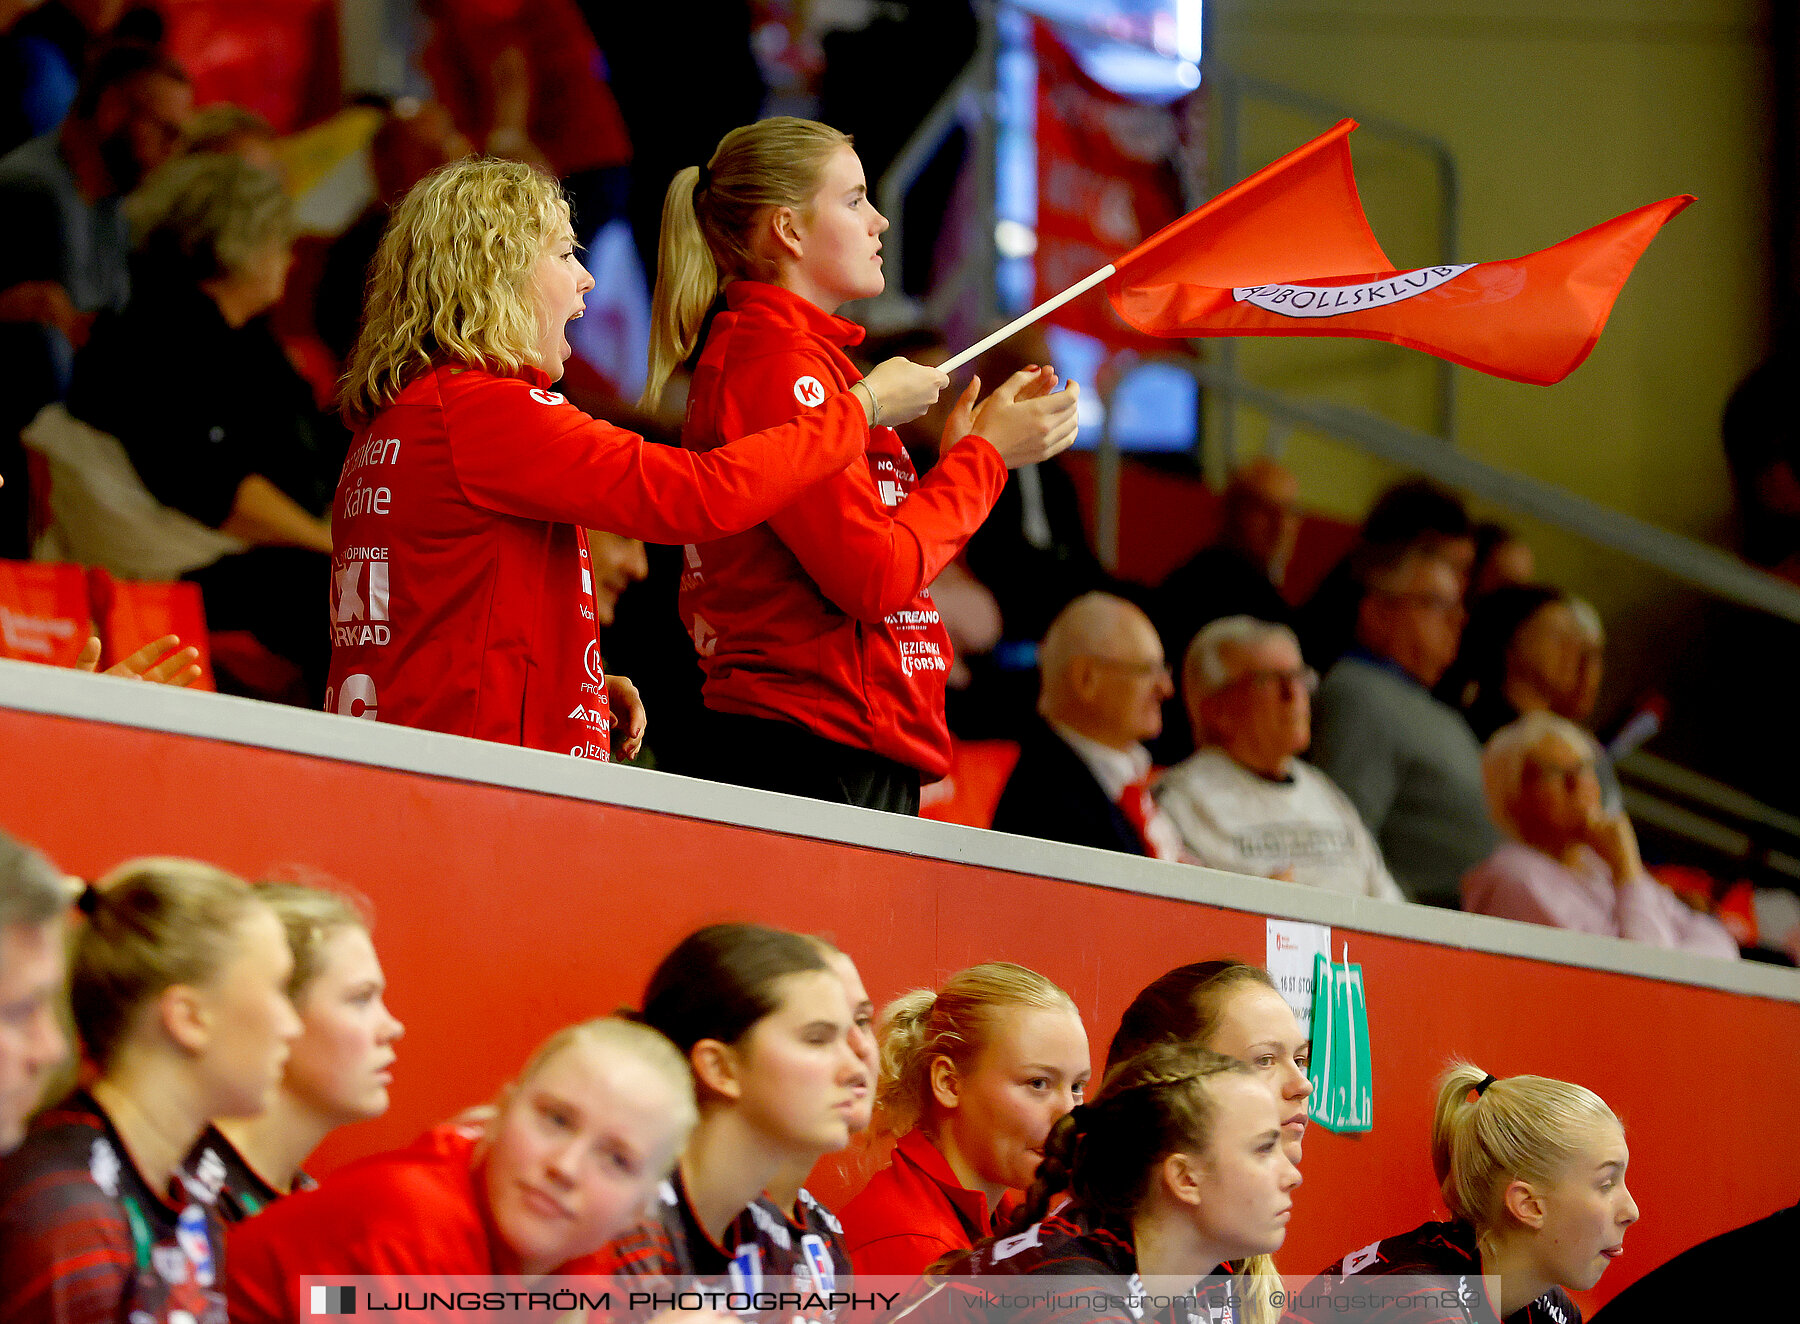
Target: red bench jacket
x=822, y=616
x=461, y=597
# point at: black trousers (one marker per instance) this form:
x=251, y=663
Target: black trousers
x=783, y=756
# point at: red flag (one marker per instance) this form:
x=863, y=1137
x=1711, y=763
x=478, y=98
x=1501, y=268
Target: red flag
x=1288, y=252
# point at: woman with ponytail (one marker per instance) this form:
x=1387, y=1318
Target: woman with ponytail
x=765, y=1024
x=1533, y=1174
x=973, y=1078
x=825, y=659
x=178, y=991
x=1175, y=1168
x=462, y=596
x=337, y=1070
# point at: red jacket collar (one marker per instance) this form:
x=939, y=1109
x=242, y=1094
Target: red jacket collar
x=916, y=1148
x=760, y=300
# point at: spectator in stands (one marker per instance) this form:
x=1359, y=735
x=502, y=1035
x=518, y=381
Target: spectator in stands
x=1083, y=772
x=1240, y=574
x=1408, y=763
x=1172, y=1174
x=240, y=447
x=571, y=1154
x=1416, y=513
x=1533, y=1173
x=765, y=1025
x=177, y=988
x=1762, y=446
x=415, y=138
x=825, y=660
x=232, y=131
x=1567, y=863
x=63, y=238
x=1530, y=648
x=337, y=1070
x=1502, y=558
x=46, y=47
x=491, y=630
x=1245, y=802
x=973, y=1078
x=33, y=899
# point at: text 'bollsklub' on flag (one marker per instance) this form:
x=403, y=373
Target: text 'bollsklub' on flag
x=1288, y=252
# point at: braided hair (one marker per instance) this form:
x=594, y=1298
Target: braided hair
x=1105, y=1152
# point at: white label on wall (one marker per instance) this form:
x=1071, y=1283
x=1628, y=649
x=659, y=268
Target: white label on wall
x=1292, y=946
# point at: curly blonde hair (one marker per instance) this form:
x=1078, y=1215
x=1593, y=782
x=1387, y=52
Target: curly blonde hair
x=451, y=281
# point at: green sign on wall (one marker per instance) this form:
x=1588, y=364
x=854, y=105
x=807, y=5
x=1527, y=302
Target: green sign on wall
x=1343, y=1094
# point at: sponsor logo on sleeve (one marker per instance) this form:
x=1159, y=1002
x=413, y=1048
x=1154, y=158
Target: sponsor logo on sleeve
x=809, y=391
x=1007, y=1247
x=1358, y=1260
x=546, y=397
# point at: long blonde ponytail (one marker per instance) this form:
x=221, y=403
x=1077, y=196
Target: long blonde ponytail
x=709, y=224
x=687, y=282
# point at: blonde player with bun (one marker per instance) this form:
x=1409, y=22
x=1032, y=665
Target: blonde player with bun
x=973, y=1078
x=1174, y=1169
x=178, y=990
x=338, y=1070
x=825, y=659
x=462, y=594
x=1533, y=1173
x=571, y=1153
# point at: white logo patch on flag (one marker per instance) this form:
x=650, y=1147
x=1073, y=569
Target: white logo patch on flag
x=1331, y=300
x=809, y=392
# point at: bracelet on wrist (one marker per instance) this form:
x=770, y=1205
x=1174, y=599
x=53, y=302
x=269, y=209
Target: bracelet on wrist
x=874, y=404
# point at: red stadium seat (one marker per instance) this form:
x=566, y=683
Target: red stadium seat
x=44, y=614
x=971, y=793
x=129, y=614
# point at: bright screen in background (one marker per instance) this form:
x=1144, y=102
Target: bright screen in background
x=1148, y=50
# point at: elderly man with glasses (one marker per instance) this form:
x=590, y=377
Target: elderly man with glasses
x=1410, y=764
x=1083, y=771
x=1244, y=801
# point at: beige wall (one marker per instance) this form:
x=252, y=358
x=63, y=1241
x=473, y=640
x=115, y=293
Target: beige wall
x=1559, y=116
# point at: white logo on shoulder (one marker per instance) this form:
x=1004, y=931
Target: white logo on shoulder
x=1330, y=300
x=103, y=1167
x=1358, y=1260
x=1007, y=1247
x=809, y=392
x=546, y=397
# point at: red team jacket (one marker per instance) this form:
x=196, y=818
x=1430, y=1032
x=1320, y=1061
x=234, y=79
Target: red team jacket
x=913, y=1211
x=822, y=616
x=413, y=1212
x=461, y=596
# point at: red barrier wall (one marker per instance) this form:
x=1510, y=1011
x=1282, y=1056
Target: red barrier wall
x=503, y=913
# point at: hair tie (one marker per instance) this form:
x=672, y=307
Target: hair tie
x=87, y=901
x=1481, y=1088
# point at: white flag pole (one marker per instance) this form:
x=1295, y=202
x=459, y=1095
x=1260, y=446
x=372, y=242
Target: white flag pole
x=1020, y=323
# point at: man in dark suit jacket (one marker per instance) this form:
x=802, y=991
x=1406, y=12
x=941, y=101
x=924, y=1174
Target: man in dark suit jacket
x=1082, y=770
